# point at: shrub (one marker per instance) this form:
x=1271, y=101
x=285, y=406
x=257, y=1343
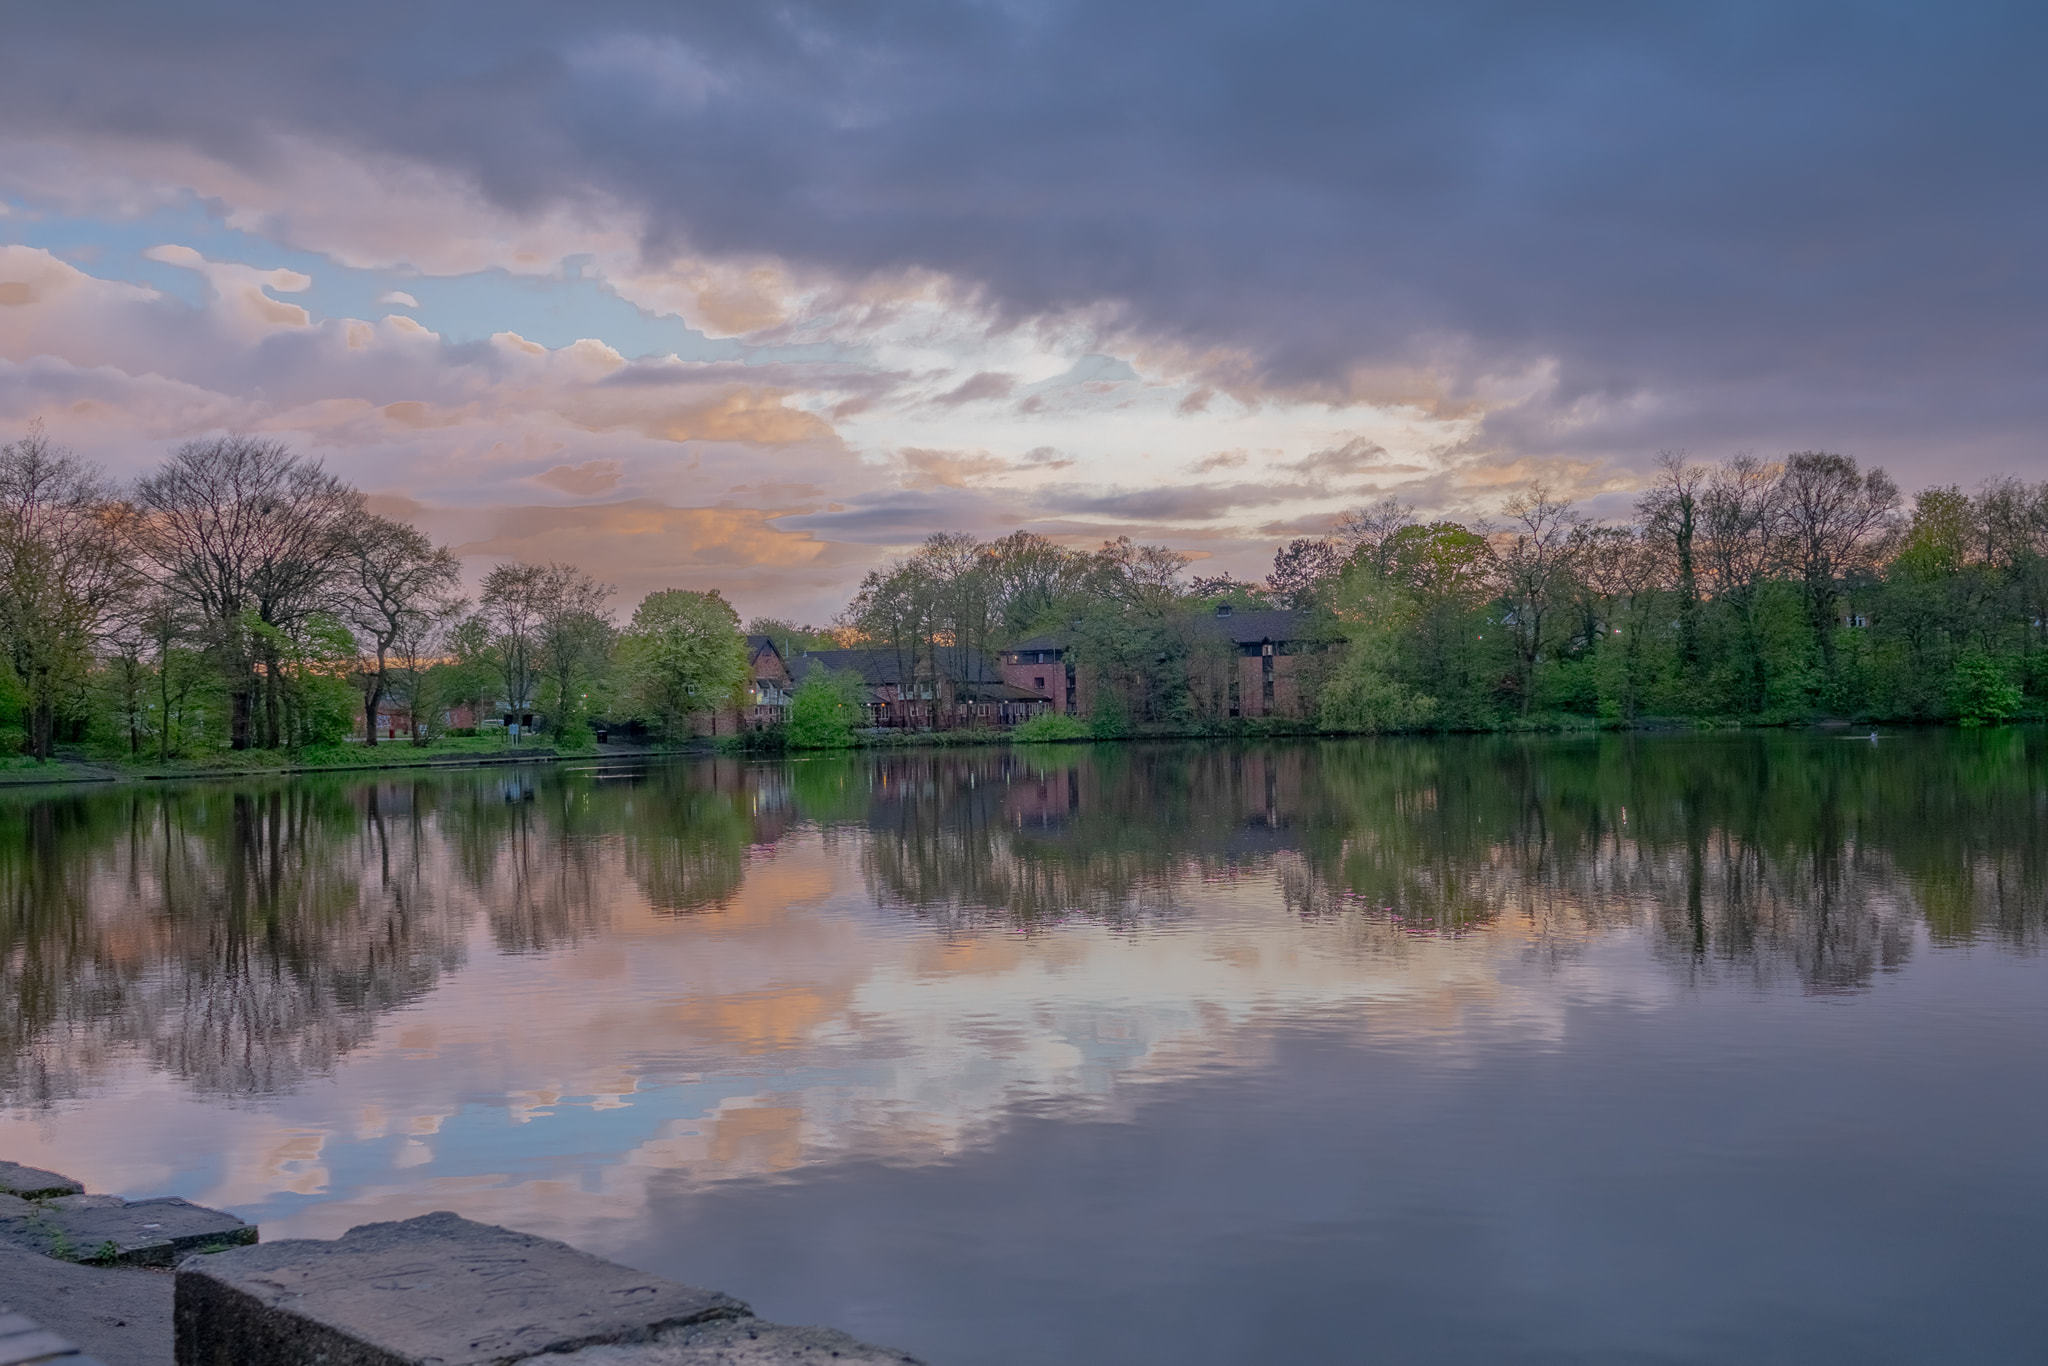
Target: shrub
x=824, y=711
x=1112, y=720
x=1049, y=728
x=1981, y=691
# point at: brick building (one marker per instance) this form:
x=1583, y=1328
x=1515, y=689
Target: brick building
x=764, y=701
x=1253, y=666
x=962, y=689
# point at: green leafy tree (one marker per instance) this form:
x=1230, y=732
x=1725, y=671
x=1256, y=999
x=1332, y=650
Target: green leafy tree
x=1371, y=688
x=825, y=710
x=1982, y=691
x=682, y=654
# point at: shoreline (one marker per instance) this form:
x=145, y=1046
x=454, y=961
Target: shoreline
x=83, y=773
x=66, y=773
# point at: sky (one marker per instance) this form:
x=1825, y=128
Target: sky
x=756, y=295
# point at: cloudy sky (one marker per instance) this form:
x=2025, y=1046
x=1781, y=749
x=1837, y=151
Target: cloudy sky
x=753, y=295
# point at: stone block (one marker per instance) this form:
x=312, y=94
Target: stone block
x=737, y=1342
x=33, y=1183
x=438, y=1290
x=117, y=1232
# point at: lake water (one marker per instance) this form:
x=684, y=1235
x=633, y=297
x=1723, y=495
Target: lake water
x=1655, y=1049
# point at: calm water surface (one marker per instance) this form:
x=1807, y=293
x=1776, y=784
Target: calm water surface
x=1671, y=1050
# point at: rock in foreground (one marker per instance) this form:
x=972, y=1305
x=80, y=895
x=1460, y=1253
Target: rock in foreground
x=33, y=1183
x=117, y=1232
x=739, y=1342
x=437, y=1289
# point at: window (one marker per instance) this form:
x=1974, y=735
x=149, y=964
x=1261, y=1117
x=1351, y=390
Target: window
x=1039, y=681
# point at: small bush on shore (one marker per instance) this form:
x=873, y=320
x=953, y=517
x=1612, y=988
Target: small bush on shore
x=1049, y=728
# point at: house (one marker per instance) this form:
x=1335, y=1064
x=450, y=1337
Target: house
x=1254, y=671
x=768, y=684
x=764, y=700
x=395, y=719
x=957, y=689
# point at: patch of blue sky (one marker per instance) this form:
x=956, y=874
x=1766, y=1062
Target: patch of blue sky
x=554, y=310
x=569, y=1140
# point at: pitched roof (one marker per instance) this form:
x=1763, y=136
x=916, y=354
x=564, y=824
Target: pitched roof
x=882, y=668
x=1252, y=627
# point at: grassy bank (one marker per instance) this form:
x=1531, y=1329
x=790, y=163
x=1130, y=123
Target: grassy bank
x=1067, y=730
x=1278, y=728
x=457, y=752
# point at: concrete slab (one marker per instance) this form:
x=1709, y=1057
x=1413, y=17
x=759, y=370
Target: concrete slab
x=438, y=1290
x=737, y=1342
x=33, y=1183
x=115, y=1232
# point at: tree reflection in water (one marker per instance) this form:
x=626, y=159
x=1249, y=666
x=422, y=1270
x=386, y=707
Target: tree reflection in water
x=244, y=938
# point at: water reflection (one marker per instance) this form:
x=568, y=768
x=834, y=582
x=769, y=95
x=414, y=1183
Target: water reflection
x=244, y=939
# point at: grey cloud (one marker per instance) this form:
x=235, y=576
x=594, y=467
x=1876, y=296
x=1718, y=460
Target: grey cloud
x=985, y=385
x=1193, y=502
x=1753, y=223
x=1352, y=457
x=899, y=518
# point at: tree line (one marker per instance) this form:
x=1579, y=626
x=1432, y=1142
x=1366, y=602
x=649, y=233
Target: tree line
x=1742, y=590
x=242, y=597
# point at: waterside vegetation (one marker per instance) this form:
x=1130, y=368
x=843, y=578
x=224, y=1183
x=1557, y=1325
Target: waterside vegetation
x=241, y=604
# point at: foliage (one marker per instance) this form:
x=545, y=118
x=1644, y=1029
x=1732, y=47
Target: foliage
x=1048, y=728
x=1981, y=691
x=1373, y=688
x=825, y=710
x=682, y=654
x=241, y=598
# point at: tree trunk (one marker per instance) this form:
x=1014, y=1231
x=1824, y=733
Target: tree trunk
x=42, y=722
x=371, y=698
x=239, y=708
x=1821, y=609
x=273, y=734
x=1688, y=607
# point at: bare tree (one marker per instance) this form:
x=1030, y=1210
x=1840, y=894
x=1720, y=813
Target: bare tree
x=2013, y=517
x=1836, y=518
x=1613, y=569
x=575, y=633
x=954, y=569
x=399, y=584
x=1367, y=530
x=1302, y=568
x=249, y=537
x=508, y=617
x=1740, y=517
x=62, y=570
x=1535, y=550
x=1670, y=510
x=1029, y=577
